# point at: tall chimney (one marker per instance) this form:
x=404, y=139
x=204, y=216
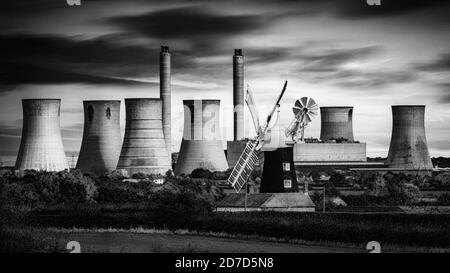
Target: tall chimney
x=408, y=147
x=336, y=123
x=238, y=94
x=100, y=148
x=164, y=89
x=41, y=146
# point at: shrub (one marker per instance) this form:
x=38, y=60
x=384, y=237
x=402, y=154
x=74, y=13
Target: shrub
x=201, y=173
x=444, y=200
x=40, y=187
x=337, y=178
x=171, y=209
x=122, y=192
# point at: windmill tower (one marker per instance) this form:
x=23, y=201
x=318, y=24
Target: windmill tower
x=249, y=158
x=279, y=189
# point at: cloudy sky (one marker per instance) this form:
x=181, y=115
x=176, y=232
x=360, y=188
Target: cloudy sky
x=341, y=52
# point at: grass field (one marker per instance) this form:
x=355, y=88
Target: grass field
x=130, y=242
x=183, y=241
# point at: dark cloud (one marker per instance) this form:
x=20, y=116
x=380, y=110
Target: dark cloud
x=444, y=93
x=329, y=66
x=330, y=60
x=14, y=74
x=191, y=22
x=26, y=58
x=442, y=63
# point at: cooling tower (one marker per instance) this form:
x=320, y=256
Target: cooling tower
x=164, y=89
x=41, y=147
x=100, y=148
x=144, y=148
x=238, y=94
x=201, y=146
x=408, y=149
x=336, y=123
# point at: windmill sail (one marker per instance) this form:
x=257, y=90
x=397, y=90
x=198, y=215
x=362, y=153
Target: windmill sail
x=251, y=107
x=244, y=166
x=249, y=157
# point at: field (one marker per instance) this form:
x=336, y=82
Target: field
x=401, y=231
x=132, y=242
x=36, y=203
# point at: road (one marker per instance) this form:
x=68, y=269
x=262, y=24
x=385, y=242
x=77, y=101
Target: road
x=116, y=242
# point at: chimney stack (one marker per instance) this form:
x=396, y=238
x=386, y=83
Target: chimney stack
x=165, y=95
x=238, y=94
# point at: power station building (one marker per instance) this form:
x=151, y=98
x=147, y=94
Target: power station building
x=336, y=146
x=408, y=150
x=201, y=146
x=235, y=147
x=144, y=148
x=100, y=148
x=41, y=146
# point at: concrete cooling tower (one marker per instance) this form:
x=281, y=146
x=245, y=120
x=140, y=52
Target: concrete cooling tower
x=408, y=149
x=336, y=123
x=100, y=148
x=165, y=95
x=201, y=146
x=41, y=147
x=144, y=149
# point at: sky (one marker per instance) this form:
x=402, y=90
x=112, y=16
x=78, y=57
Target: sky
x=340, y=53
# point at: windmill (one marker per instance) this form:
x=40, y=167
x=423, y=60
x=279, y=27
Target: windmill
x=249, y=157
x=305, y=110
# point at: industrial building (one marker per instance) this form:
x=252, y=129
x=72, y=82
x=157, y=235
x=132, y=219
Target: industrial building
x=235, y=147
x=41, y=146
x=101, y=144
x=165, y=95
x=201, y=146
x=144, y=148
x=408, y=150
x=336, y=146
